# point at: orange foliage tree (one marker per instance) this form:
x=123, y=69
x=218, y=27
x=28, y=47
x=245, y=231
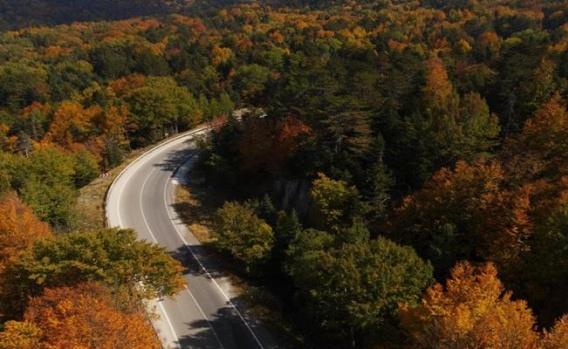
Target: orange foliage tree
x=85, y=317
x=541, y=149
x=70, y=125
x=471, y=311
x=20, y=335
x=19, y=229
x=265, y=145
x=468, y=213
x=557, y=338
x=462, y=126
x=110, y=145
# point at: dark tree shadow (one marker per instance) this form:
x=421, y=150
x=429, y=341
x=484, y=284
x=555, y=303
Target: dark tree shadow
x=196, y=260
x=226, y=329
x=175, y=158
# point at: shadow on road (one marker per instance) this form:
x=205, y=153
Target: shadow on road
x=176, y=157
x=225, y=329
x=196, y=260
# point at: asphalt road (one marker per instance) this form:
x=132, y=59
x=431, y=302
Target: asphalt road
x=207, y=313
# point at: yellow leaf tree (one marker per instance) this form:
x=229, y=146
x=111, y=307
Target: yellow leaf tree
x=472, y=310
x=20, y=335
x=557, y=338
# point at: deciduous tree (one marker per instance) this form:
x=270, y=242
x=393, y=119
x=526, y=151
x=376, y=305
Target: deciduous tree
x=44, y=181
x=467, y=213
x=19, y=227
x=20, y=335
x=557, y=337
x=462, y=127
x=540, y=150
x=84, y=316
x=161, y=106
x=352, y=290
x=19, y=230
x=471, y=311
x=241, y=233
x=113, y=257
x=22, y=85
x=265, y=145
x=336, y=203
x=71, y=125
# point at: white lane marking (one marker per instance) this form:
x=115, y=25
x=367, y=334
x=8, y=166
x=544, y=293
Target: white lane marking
x=189, y=135
x=205, y=316
x=168, y=320
x=140, y=203
x=156, y=241
x=229, y=302
x=160, y=305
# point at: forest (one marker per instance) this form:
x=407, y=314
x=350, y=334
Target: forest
x=400, y=179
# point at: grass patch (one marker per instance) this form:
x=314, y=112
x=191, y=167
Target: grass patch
x=196, y=205
x=90, y=204
x=91, y=201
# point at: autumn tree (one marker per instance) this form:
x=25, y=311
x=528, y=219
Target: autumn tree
x=266, y=145
x=19, y=227
x=112, y=144
x=113, y=257
x=351, y=290
x=71, y=125
x=462, y=127
x=161, y=106
x=557, y=337
x=466, y=213
x=19, y=230
x=247, y=238
x=20, y=335
x=471, y=311
x=33, y=121
x=336, y=203
x=45, y=181
x=540, y=149
x=85, y=316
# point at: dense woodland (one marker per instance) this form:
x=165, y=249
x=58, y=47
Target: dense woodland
x=400, y=179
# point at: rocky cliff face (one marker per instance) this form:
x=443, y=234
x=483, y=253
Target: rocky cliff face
x=293, y=194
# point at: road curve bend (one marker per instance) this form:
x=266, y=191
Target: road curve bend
x=207, y=313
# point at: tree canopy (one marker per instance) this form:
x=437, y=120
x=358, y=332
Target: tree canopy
x=113, y=257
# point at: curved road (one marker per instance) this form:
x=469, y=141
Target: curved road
x=207, y=313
